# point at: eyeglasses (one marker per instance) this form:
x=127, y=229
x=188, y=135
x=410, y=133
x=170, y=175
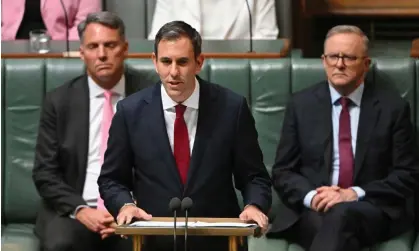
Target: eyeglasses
x=333, y=59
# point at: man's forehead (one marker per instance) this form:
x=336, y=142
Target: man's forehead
x=96, y=29
x=344, y=45
x=170, y=57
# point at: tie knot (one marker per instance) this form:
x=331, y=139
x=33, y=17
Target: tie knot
x=345, y=102
x=180, y=110
x=108, y=94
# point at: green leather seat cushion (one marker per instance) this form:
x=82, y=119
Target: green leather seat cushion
x=19, y=237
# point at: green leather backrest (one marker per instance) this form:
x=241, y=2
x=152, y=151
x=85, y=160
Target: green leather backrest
x=59, y=71
x=144, y=66
x=270, y=91
x=400, y=74
x=24, y=91
x=306, y=72
x=231, y=73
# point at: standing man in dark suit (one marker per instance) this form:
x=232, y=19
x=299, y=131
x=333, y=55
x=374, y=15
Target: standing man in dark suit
x=347, y=162
x=184, y=137
x=72, y=133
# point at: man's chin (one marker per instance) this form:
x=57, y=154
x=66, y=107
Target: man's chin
x=339, y=81
x=104, y=77
x=174, y=92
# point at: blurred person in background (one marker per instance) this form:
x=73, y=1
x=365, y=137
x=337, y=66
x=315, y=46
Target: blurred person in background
x=20, y=17
x=219, y=19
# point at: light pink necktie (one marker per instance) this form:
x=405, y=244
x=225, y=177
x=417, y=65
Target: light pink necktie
x=106, y=124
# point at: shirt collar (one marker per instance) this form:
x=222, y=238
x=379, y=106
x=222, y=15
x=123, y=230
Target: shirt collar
x=355, y=96
x=95, y=90
x=192, y=101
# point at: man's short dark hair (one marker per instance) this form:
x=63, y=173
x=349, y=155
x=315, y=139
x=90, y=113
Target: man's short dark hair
x=175, y=30
x=106, y=18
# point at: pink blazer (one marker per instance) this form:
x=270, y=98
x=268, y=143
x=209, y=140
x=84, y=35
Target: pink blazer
x=52, y=13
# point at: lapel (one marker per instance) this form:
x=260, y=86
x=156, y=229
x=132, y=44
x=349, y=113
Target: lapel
x=78, y=116
x=324, y=131
x=158, y=132
x=207, y=118
x=368, y=118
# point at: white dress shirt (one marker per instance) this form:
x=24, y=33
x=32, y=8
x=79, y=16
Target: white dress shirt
x=96, y=100
x=190, y=115
x=231, y=20
x=354, y=111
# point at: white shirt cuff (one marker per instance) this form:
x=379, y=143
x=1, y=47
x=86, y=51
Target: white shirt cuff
x=309, y=197
x=359, y=191
x=73, y=215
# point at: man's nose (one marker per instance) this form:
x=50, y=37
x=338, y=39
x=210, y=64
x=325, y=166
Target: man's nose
x=102, y=54
x=174, y=70
x=340, y=64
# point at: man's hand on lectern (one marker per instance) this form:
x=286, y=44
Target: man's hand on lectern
x=127, y=213
x=252, y=213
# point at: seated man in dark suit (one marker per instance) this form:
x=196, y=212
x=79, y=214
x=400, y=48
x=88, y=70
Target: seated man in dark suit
x=72, y=137
x=347, y=162
x=184, y=137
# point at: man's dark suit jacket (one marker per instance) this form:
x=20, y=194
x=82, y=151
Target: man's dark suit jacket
x=62, y=146
x=386, y=161
x=225, y=144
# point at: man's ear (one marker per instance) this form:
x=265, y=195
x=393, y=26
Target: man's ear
x=154, y=59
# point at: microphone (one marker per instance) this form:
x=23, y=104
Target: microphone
x=250, y=26
x=185, y=206
x=66, y=28
x=174, y=205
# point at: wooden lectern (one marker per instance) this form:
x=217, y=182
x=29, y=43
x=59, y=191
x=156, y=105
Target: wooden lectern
x=235, y=234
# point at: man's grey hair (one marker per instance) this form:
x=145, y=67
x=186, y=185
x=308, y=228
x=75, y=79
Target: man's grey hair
x=341, y=29
x=105, y=18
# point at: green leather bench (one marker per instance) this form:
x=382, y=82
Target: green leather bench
x=266, y=83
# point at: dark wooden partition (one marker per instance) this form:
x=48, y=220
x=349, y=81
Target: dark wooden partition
x=314, y=17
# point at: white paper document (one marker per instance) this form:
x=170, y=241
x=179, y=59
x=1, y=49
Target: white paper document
x=190, y=224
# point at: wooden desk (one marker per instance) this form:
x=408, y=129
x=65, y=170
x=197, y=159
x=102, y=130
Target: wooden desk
x=143, y=49
x=235, y=235
x=414, y=52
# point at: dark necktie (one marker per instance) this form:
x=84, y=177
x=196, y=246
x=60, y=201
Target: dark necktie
x=346, y=158
x=181, y=143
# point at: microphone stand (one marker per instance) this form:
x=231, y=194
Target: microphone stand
x=174, y=233
x=185, y=206
x=66, y=29
x=250, y=26
x=186, y=230
x=174, y=205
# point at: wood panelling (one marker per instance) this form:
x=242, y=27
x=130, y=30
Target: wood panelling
x=414, y=52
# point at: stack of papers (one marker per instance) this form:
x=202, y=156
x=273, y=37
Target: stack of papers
x=190, y=224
